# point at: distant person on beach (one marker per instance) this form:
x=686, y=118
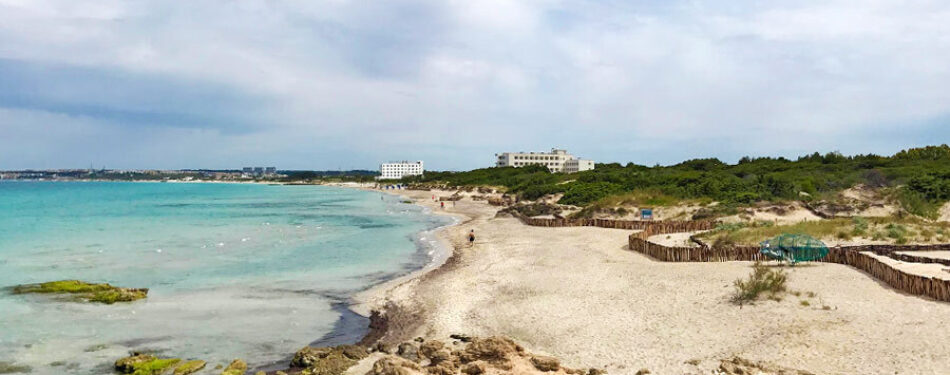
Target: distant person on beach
x=443, y=205
x=471, y=238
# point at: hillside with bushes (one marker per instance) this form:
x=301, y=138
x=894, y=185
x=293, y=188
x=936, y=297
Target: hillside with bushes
x=918, y=179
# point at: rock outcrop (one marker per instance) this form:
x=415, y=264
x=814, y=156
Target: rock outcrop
x=395, y=366
x=740, y=366
x=329, y=360
x=473, y=356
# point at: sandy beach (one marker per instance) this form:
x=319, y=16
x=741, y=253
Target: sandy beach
x=580, y=295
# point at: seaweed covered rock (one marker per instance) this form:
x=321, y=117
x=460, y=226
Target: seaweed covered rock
x=190, y=367
x=84, y=291
x=237, y=367
x=328, y=361
x=145, y=364
x=127, y=365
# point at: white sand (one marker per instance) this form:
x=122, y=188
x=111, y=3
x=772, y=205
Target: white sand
x=934, y=270
x=674, y=239
x=928, y=254
x=945, y=212
x=578, y=294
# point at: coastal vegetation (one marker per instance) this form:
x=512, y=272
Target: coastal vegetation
x=763, y=280
x=81, y=290
x=896, y=230
x=917, y=179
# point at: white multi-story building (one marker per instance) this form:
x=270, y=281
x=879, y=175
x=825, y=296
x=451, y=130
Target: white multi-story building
x=556, y=160
x=397, y=170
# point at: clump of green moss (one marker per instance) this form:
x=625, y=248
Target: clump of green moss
x=101, y=293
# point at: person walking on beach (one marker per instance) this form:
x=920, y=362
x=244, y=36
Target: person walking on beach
x=471, y=238
x=443, y=205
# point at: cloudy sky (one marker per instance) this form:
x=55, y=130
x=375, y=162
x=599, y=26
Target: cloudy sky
x=347, y=84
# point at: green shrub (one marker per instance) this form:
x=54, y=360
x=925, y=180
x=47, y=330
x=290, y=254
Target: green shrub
x=896, y=231
x=861, y=226
x=582, y=194
x=917, y=203
x=762, y=280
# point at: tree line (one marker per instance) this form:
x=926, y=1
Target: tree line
x=918, y=178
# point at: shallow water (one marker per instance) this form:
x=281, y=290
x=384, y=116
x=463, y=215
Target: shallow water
x=234, y=270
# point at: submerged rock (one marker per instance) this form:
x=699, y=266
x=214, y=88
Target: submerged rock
x=81, y=290
x=237, y=367
x=13, y=368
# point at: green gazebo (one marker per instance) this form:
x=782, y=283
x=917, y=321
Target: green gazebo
x=794, y=248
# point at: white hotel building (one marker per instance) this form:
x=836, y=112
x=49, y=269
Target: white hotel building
x=397, y=170
x=556, y=161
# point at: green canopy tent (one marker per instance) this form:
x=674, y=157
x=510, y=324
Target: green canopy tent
x=794, y=248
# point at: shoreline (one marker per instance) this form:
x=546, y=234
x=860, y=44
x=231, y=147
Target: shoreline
x=364, y=302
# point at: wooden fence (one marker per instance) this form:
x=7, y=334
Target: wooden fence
x=657, y=227
x=854, y=256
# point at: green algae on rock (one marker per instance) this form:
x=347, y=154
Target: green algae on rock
x=145, y=364
x=101, y=293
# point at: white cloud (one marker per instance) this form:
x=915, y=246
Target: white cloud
x=413, y=79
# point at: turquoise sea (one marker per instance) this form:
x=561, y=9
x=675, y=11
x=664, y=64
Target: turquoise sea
x=234, y=270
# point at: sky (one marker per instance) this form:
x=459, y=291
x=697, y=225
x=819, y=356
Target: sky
x=337, y=84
